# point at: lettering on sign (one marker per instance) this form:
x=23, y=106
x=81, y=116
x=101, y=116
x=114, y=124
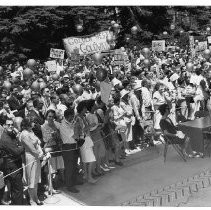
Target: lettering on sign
x=201, y=46
x=51, y=65
x=57, y=53
x=158, y=45
x=87, y=44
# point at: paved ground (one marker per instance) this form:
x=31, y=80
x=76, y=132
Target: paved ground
x=144, y=173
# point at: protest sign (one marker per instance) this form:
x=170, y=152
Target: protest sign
x=57, y=53
x=158, y=45
x=119, y=57
x=201, y=46
x=209, y=39
x=87, y=44
x=51, y=65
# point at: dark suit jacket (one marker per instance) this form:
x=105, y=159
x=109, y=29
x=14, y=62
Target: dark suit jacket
x=14, y=103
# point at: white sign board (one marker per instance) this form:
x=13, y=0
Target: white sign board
x=87, y=44
x=57, y=53
x=158, y=45
x=201, y=46
x=209, y=39
x=51, y=65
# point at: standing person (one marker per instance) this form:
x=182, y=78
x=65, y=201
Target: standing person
x=51, y=138
x=87, y=154
x=70, y=150
x=33, y=154
x=12, y=161
x=46, y=99
x=95, y=132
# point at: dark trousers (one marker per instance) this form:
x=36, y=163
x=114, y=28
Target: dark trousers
x=70, y=164
x=138, y=133
x=16, y=188
x=1, y=194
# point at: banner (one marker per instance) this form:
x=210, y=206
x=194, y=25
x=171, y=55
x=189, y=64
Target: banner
x=56, y=53
x=201, y=46
x=158, y=45
x=87, y=44
x=51, y=65
x=209, y=39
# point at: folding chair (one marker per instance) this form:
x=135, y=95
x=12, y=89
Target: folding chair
x=175, y=146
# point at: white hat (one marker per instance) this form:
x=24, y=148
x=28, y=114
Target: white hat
x=65, y=76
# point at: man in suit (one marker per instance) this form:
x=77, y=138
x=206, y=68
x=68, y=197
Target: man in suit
x=11, y=152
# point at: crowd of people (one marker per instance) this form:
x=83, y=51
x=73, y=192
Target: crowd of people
x=65, y=128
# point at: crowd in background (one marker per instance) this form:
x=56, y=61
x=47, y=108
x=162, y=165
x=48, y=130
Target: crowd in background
x=64, y=127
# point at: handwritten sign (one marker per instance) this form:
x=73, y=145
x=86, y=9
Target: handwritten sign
x=87, y=44
x=158, y=45
x=209, y=39
x=201, y=46
x=51, y=65
x=119, y=57
x=57, y=53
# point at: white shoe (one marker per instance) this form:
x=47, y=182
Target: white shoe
x=127, y=151
x=104, y=169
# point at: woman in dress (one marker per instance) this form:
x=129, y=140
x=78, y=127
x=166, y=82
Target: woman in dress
x=87, y=154
x=52, y=140
x=97, y=138
x=159, y=98
x=33, y=154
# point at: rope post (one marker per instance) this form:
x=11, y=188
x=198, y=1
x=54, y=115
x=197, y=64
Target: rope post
x=52, y=199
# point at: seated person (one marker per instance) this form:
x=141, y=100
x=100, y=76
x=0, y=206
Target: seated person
x=175, y=136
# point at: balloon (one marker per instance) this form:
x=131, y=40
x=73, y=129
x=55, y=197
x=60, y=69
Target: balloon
x=31, y=63
x=27, y=73
x=146, y=52
x=77, y=89
x=97, y=57
x=207, y=53
x=42, y=85
x=1, y=70
x=177, y=49
x=35, y=86
x=134, y=30
x=55, y=76
x=146, y=62
x=101, y=74
x=165, y=33
x=189, y=66
x=7, y=85
x=116, y=26
x=79, y=28
x=109, y=39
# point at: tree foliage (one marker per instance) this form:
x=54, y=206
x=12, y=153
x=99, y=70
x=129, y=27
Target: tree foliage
x=30, y=32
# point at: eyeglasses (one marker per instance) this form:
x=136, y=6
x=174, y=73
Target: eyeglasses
x=10, y=125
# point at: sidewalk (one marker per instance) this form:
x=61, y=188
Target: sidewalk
x=142, y=173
